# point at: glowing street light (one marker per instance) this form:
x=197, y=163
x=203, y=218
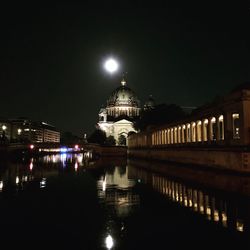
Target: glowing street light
x=4, y=127
x=111, y=65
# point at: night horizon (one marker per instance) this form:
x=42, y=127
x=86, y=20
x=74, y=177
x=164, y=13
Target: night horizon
x=51, y=57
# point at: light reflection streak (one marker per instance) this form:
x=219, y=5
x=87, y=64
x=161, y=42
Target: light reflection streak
x=43, y=183
x=76, y=166
x=211, y=207
x=109, y=242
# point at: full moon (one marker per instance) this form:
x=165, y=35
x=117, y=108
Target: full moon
x=111, y=65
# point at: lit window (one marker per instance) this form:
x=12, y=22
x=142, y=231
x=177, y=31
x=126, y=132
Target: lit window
x=236, y=125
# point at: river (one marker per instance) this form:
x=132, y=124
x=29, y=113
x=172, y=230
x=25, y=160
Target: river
x=70, y=201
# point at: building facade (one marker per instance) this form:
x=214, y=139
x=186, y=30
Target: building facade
x=218, y=135
x=25, y=130
x=122, y=108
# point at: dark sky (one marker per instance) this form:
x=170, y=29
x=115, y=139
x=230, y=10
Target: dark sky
x=51, y=56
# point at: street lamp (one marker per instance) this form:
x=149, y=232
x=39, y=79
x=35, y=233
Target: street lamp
x=4, y=127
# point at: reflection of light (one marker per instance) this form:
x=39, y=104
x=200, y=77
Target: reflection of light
x=63, y=150
x=17, y=180
x=224, y=219
x=43, y=183
x=109, y=242
x=31, y=166
x=216, y=215
x=53, y=158
x=79, y=158
x=32, y=146
x=104, y=184
x=201, y=208
x=63, y=158
x=1, y=186
x=76, y=166
x=239, y=225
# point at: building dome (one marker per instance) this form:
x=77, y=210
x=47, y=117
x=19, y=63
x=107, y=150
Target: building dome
x=123, y=96
x=123, y=102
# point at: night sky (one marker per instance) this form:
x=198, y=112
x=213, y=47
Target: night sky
x=51, y=56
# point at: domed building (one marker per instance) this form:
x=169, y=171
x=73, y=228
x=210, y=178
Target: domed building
x=123, y=107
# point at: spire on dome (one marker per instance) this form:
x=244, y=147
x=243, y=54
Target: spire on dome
x=123, y=81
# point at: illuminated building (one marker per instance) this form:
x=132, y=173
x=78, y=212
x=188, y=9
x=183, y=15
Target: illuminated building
x=215, y=134
x=123, y=107
x=24, y=130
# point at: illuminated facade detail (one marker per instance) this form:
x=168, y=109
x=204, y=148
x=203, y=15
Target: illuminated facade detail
x=123, y=107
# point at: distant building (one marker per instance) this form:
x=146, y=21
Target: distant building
x=123, y=107
x=25, y=130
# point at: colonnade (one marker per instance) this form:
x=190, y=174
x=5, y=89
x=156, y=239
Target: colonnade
x=205, y=130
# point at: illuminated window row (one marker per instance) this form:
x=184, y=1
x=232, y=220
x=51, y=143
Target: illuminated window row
x=212, y=129
x=206, y=130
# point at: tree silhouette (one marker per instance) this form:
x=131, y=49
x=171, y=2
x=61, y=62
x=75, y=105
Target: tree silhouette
x=98, y=136
x=110, y=141
x=161, y=114
x=122, y=140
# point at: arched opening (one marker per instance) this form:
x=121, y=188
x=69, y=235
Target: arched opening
x=175, y=135
x=172, y=135
x=221, y=127
x=163, y=137
x=169, y=137
x=122, y=140
x=179, y=134
x=213, y=129
x=188, y=133
x=236, y=125
x=198, y=131
x=205, y=130
x=183, y=133
x=193, y=132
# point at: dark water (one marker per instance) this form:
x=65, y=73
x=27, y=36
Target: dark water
x=68, y=201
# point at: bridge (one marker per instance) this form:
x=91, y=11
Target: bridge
x=51, y=148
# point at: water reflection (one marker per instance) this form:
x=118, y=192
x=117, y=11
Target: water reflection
x=18, y=174
x=116, y=193
x=232, y=213
x=109, y=242
x=115, y=189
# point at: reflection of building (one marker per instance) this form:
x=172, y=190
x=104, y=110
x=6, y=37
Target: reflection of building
x=219, y=209
x=116, y=190
x=121, y=110
x=24, y=130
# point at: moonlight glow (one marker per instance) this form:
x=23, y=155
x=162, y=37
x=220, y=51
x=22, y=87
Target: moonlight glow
x=111, y=65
